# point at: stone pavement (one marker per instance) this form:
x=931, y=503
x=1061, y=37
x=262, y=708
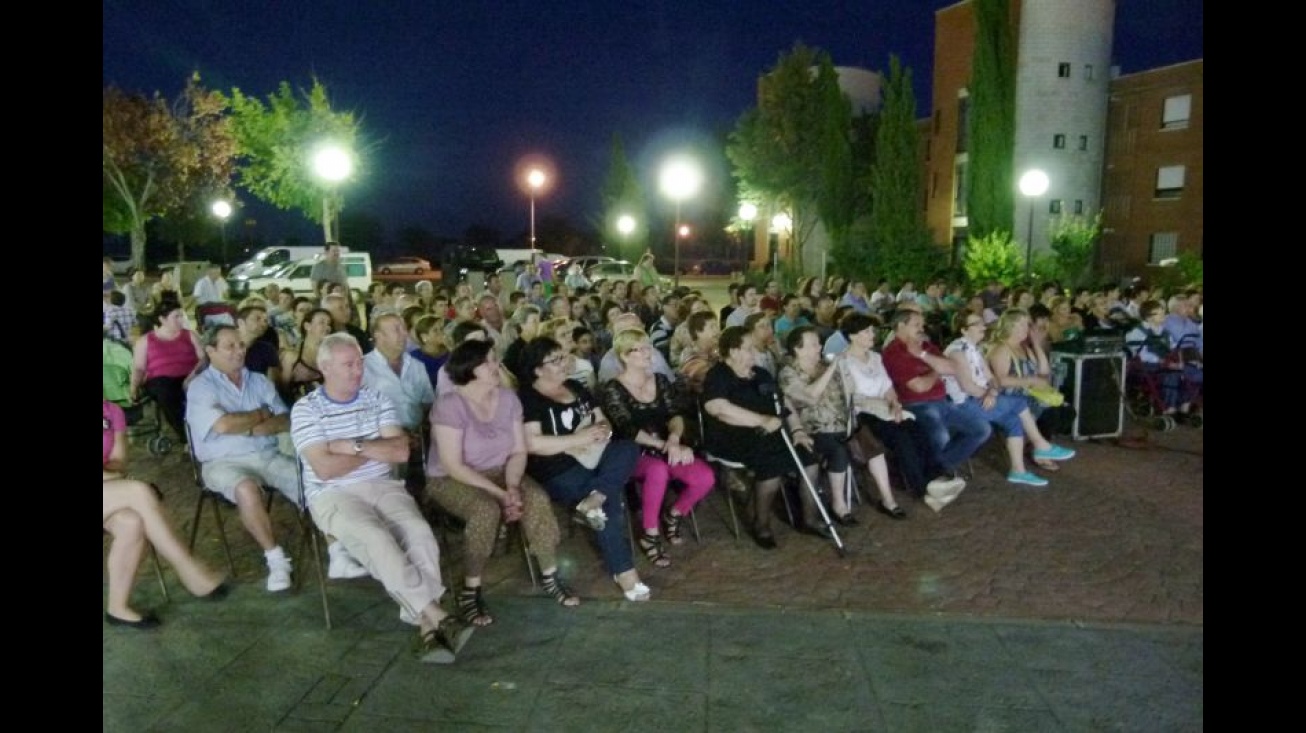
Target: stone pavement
x=1075, y=608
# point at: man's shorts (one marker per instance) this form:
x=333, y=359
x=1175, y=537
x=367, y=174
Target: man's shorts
x=266, y=468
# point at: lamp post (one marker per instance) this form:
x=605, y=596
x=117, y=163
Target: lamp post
x=222, y=210
x=332, y=164
x=780, y=224
x=626, y=226
x=535, y=179
x=747, y=213
x=1033, y=183
x=680, y=179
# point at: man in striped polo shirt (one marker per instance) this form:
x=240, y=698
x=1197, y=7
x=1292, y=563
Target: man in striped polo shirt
x=349, y=437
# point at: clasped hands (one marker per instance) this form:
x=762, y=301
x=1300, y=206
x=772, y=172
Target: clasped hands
x=511, y=502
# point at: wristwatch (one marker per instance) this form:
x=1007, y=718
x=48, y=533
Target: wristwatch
x=358, y=446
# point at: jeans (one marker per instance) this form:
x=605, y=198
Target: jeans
x=608, y=478
x=1005, y=413
x=954, y=433
x=909, y=447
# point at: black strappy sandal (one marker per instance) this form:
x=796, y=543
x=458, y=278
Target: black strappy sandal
x=557, y=590
x=672, y=523
x=471, y=607
x=654, y=551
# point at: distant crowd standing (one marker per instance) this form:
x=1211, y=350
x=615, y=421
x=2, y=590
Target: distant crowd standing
x=493, y=405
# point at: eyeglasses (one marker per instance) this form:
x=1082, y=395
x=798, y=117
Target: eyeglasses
x=555, y=360
x=973, y=324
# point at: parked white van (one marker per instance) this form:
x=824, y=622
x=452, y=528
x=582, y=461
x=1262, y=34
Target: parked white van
x=270, y=259
x=294, y=275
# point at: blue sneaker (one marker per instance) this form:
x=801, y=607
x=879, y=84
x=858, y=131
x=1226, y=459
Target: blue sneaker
x=1055, y=453
x=1027, y=478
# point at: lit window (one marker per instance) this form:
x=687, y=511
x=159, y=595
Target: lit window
x=1054, y=206
x=1174, y=116
x=1063, y=70
x=1169, y=182
x=1059, y=142
x=1083, y=142
x=1162, y=246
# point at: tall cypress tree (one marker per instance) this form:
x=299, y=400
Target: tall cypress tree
x=622, y=194
x=900, y=241
x=991, y=198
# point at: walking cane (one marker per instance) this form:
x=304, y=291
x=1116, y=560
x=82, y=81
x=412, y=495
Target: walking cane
x=769, y=387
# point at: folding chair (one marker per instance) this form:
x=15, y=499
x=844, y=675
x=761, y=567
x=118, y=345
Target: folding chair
x=207, y=495
x=309, y=532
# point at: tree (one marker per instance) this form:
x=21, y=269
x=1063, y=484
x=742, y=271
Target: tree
x=992, y=129
x=780, y=149
x=900, y=242
x=623, y=196
x=160, y=157
x=277, y=141
x=1074, y=243
x=994, y=256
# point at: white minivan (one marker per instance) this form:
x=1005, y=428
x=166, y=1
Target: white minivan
x=294, y=275
x=270, y=259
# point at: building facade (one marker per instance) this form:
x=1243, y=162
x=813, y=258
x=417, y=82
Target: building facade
x=1128, y=147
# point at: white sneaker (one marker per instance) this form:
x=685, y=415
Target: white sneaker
x=344, y=566
x=945, y=488
x=278, y=575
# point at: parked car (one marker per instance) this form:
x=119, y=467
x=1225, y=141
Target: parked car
x=270, y=259
x=404, y=266
x=463, y=258
x=585, y=261
x=294, y=275
x=619, y=270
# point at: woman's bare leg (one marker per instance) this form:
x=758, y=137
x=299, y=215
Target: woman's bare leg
x=139, y=497
x=124, y=558
x=879, y=470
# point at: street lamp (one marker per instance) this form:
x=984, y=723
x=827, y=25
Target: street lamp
x=625, y=227
x=332, y=164
x=222, y=210
x=1033, y=183
x=780, y=224
x=680, y=179
x=747, y=213
x=535, y=179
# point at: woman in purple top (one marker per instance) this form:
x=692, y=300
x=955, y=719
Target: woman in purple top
x=477, y=469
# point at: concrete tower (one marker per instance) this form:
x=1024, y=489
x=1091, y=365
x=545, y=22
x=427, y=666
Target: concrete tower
x=1062, y=78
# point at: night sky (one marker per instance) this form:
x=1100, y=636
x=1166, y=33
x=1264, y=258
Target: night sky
x=456, y=93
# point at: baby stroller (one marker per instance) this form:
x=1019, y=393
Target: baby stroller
x=117, y=389
x=1154, y=391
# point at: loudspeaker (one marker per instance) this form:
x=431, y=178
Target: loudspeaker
x=1095, y=387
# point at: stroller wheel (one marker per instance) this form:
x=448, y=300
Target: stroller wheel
x=1167, y=423
x=159, y=445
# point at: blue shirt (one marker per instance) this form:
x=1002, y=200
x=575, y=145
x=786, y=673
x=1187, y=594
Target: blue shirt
x=212, y=395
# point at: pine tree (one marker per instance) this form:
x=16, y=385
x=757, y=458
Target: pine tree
x=992, y=133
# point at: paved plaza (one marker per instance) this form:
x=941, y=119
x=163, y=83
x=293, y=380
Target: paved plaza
x=1076, y=608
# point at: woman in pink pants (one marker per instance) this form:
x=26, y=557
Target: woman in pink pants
x=649, y=409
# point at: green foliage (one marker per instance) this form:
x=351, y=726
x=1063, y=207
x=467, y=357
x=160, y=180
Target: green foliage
x=992, y=129
x=622, y=194
x=1186, y=273
x=899, y=242
x=1074, y=242
x=993, y=257
x=784, y=152
x=159, y=158
x=277, y=141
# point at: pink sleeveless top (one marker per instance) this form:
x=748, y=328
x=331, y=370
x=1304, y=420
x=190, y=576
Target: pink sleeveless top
x=169, y=358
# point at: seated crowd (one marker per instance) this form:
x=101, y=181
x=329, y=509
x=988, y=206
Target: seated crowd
x=493, y=406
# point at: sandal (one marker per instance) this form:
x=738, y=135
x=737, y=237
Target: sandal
x=442, y=644
x=554, y=586
x=672, y=523
x=594, y=518
x=651, y=544
x=471, y=607
x=637, y=592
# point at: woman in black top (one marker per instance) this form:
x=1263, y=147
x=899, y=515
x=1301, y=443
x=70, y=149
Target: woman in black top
x=571, y=454
x=741, y=425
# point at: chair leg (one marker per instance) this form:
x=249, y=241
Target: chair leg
x=222, y=533
x=317, y=565
x=158, y=572
x=530, y=559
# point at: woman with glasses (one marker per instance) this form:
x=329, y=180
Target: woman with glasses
x=974, y=388
x=649, y=409
x=572, y=454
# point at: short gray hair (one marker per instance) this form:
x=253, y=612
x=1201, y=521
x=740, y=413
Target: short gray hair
x=334, y=341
